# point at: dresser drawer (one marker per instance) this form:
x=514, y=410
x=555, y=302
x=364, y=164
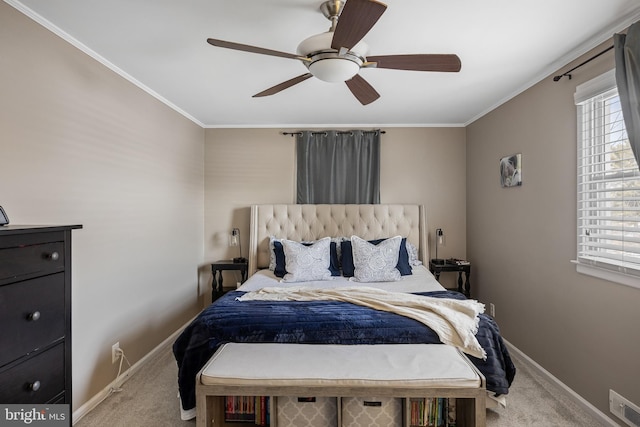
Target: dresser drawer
x=44, y=372
x=32, y=315
x=17, y=263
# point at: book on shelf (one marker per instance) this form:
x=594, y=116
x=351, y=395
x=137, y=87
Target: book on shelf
x=451, y=412
x=247, y=409
x=457, y=261
x=432, y=412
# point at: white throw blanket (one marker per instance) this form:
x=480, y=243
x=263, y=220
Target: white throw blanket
x=455, y=321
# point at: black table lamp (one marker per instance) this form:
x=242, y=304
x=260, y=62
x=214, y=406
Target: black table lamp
x=439, y=242
x=234, y=240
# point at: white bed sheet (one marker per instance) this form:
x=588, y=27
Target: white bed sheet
x=420, y=281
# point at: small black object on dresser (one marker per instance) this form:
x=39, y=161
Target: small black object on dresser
x=35, y=314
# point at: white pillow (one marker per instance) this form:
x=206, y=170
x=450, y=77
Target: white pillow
x=305, y=263
x=412, y=251
x=376, y=263
x=272, y=253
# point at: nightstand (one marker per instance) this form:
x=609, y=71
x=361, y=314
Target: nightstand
x=437, y=268
x=217, y=268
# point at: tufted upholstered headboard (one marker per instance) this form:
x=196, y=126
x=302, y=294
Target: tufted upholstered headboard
x=311, y=222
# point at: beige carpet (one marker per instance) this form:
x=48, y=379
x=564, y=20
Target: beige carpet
x=149, y=398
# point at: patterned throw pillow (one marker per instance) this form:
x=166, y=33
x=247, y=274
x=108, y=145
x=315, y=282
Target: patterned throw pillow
x=279, y=261
x=412, y=251
x=376, y=263
x=403, y=266
x=304, y=263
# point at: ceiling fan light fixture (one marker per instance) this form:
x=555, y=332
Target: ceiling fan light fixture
x=334, y=70
x=326, y=63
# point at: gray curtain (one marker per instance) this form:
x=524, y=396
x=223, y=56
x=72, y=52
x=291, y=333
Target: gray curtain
x=627, y=53
x=338, y=167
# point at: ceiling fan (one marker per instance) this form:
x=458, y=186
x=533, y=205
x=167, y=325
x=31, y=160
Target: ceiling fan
x=338, y=54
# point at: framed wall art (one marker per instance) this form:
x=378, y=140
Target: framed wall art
x=511, y=170
x=4, y=219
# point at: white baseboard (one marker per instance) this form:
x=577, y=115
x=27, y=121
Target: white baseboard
x=124, y=376
x=588, y=407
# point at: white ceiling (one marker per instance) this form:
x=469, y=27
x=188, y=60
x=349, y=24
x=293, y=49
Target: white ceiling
x=505, y=46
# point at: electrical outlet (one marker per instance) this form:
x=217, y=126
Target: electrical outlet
x=492, y=309
x=115, y=352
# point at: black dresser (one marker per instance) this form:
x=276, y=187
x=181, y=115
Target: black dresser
x=35, y=314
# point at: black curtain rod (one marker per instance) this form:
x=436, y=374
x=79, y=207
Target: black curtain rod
x=339, y=132
x=568, y=73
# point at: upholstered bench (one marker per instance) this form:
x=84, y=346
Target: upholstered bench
x=399, y=370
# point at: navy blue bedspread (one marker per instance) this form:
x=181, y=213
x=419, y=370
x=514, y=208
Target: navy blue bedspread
x=319, y=322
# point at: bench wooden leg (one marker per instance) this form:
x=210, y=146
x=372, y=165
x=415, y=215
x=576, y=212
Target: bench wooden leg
x=201, y=410
x=206, y=408
x=481, y=410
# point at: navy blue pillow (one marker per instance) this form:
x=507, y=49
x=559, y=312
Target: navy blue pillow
x=280, y=270
x=278, y=250
x=348, y=268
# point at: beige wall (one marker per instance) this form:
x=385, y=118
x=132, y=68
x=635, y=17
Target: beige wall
x=80, y=145
x=521, y=240
x=251, y=166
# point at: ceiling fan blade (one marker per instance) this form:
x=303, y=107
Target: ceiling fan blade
x=419, y=62
x=362, y=90
x=355, y=21
x=282, y=86
x=253, y=49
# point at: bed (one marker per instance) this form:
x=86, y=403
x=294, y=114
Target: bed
x=311, y=306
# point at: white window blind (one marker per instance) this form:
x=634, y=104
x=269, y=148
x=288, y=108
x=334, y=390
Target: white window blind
x=608, y=182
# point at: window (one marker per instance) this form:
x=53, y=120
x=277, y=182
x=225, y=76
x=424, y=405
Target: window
x=608, y=186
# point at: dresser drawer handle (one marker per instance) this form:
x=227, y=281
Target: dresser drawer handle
x=33, y=316
x=34, y=386
x=54, y=256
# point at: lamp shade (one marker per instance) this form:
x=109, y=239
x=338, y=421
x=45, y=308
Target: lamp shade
x=439, y=242
x=234, y=238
